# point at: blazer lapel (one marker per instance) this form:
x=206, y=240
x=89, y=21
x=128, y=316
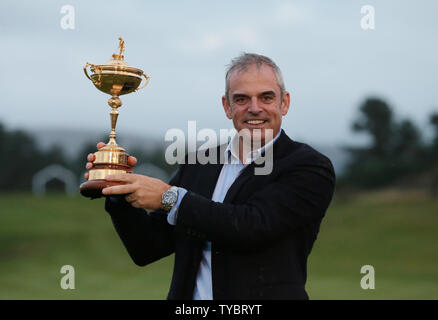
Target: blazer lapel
x=248, y=172
x=209, y=177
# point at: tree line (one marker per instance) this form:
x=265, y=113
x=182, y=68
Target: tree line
x=21, y=158
x=397, y=151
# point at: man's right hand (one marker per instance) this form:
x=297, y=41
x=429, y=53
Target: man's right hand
x=132, y=161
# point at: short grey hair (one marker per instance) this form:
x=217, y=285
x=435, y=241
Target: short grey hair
x=244, y=61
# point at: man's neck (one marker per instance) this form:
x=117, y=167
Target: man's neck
x=245, y=148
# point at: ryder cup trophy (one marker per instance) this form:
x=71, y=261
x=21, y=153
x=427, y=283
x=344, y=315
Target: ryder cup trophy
x=114, y=78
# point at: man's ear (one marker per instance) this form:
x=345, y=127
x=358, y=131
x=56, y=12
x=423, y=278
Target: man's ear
x=227, y=107
x=285, y=103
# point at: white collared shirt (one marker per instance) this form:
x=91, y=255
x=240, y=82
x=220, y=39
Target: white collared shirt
x=229, y=173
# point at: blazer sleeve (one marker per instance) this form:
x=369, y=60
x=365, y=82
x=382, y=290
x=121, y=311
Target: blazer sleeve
x=298, y=198
x=147, y=236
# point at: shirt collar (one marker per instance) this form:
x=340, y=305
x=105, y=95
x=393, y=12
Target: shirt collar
x=232, y=151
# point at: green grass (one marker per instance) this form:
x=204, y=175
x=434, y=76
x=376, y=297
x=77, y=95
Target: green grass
x=40, y=235
x=396, y=235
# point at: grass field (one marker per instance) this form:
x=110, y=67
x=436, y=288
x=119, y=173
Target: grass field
x=396, y=234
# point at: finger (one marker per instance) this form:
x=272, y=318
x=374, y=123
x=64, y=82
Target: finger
x=130, y=197
x=100, y=145
x=132, y=161
x=91, y=157
x=122, y=177
x=136, y=204
x=123, y=189
x=86, y=175
x=89, y=165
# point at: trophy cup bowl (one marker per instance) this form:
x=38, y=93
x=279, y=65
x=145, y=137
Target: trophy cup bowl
x=115, y=78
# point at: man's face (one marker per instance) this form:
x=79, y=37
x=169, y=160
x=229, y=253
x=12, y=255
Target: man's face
x=255, y=101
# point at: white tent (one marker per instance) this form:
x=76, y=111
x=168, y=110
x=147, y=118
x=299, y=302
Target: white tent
x=54, y=171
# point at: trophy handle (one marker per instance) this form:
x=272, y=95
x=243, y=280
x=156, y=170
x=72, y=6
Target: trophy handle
x=96, y=69
x=146, y=82
x=85, y=70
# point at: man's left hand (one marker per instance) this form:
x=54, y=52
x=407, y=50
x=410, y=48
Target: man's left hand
x=141, y=191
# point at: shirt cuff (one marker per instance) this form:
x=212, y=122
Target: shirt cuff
x=173, y=213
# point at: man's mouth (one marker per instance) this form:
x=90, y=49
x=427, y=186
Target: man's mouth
x=255, y=122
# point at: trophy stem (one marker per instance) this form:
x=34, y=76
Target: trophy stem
x=114, y=102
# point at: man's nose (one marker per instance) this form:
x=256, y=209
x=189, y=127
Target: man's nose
x=254, y=106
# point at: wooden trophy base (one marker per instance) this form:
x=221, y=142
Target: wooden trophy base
x=93, y=189
x=109, y=160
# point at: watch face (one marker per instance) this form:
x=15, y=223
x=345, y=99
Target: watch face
x=169, y=198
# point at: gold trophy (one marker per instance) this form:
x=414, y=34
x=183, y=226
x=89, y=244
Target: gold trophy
x=115, y=78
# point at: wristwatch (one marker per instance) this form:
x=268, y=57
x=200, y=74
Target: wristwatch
x=169, y=198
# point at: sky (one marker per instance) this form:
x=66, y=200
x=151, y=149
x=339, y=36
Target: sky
x=329, y=63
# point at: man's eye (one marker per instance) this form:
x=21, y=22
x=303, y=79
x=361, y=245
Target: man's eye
x=240, y=100
x=267, y=98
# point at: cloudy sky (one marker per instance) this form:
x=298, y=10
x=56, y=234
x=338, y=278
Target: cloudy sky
x=330, y=64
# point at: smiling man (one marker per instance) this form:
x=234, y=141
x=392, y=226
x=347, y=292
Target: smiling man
x=255, y=97
x=235, y=234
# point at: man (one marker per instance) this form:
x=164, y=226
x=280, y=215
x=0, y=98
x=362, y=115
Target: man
x=235, y=234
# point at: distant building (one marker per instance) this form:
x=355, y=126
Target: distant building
x=54, y=172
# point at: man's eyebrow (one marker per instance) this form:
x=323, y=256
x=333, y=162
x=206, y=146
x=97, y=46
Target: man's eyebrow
x=268, y=93
x=242, y=95
x=239, y=95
